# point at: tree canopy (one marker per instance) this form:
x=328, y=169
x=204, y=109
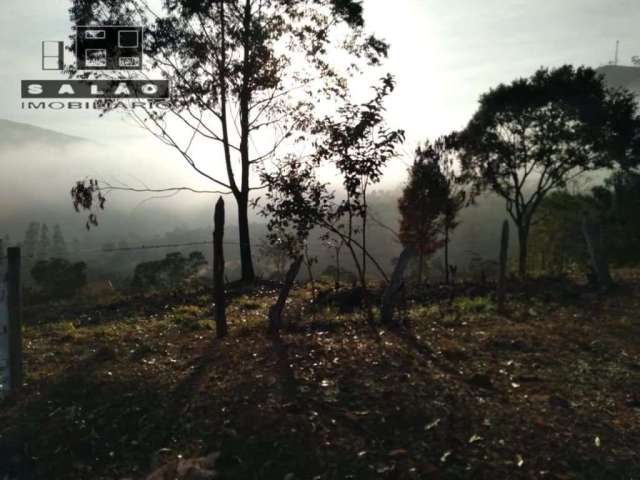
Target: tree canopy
x=240, y=69
x=536, y=134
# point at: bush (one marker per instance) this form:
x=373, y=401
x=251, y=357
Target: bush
x=59, y=278
x=169, y=272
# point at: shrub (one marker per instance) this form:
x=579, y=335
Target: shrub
x=58, y=277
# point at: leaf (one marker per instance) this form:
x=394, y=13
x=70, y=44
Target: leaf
x=475, y=438
x=445, y=455
x=399, y=452
x=432, y=425
x=519, y=460
x=597, y=442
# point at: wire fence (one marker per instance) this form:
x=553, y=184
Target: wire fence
x=139, y=248
x=314, y=245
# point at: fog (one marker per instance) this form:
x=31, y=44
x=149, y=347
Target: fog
x=39, y=167
x=444, y=55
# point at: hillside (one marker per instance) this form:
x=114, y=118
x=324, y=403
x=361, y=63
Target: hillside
x=549, y=390
x=15, y=134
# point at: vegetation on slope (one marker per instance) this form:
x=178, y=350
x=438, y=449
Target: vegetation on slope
x=549, y=390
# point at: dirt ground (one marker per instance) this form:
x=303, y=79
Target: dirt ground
x=549, y=390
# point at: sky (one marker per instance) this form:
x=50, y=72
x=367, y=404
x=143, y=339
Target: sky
x=444, y=55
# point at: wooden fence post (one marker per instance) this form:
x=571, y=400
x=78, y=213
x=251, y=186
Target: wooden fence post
x=275, y=312
x=218, y=269
x=504, y=256
x=388, y=302
x=14, y=303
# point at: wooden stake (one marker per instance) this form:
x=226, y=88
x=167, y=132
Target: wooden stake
x=218, y=270
x=504, y=256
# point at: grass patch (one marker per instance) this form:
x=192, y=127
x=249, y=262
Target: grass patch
x=484, y=304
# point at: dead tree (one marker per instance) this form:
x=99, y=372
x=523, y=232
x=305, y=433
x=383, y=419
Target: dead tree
x=390, y=294
x=218, y=269
x=504, y=252
x=275, y=312
x=592, y=232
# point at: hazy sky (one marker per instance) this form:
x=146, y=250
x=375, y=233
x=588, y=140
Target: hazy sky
x=445, y=53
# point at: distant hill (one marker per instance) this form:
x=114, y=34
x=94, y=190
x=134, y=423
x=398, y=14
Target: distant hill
x=17, y=134
x=619, y=76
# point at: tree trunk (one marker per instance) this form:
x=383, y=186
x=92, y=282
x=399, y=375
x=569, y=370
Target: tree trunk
x=308, y=260
x=523, y=239
x=363, y=282
x=337, y=269
x=246, y=261
x=592, y=232
x=504, y=251
x=446, y=255
x=275, y=312
x=420, y=268
x=218, y=269
x=364, y=237
x=388, y=302
x=248, y=273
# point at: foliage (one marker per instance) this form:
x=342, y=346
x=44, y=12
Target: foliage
x=343, y=275
x=474, y=304
x=431, y=201
x=534, y=135
x=296, y=202
x=44, y=246
x=423, y=203
x=274, y=256
x=456, y=196
x=86, y=195
x=169, y=272
x=59, y=247
x=30, y=243
x=334, y=243
x=557, y=243
x=245, y=67
x=556, y=237
x=358, y=144
x=58, y=277
x=618, y=203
